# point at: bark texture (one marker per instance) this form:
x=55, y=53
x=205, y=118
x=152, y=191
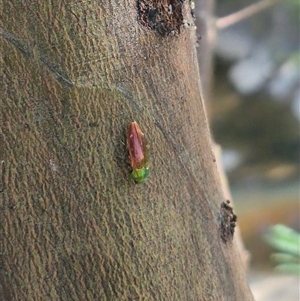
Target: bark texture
x=74, y=225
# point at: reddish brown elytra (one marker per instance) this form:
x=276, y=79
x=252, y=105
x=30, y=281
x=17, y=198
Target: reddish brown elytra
x=138, y=153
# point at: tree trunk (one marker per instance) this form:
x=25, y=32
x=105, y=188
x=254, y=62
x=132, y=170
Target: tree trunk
x=74, y=224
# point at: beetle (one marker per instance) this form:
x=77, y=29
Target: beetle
x=138, y=153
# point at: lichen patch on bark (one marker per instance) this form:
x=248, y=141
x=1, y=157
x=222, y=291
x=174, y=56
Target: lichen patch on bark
x=227, y=221
x=163, y=16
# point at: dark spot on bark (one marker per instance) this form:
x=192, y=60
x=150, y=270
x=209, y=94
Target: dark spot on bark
x=163, y=16
x=93, y=124
x=2, y=179
x=227, y=221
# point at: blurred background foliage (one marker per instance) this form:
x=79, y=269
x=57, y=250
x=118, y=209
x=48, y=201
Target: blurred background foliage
x=254, y=111
x=286, y=241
